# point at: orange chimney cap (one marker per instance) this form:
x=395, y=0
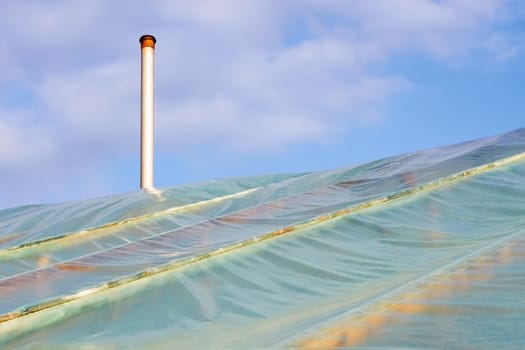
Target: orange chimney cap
x=147, y=41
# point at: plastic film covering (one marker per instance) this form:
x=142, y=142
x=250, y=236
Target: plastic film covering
x=421, y=250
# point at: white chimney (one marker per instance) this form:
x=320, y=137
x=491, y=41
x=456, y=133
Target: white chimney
x=147, y=44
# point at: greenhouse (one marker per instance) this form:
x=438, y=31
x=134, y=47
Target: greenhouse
x=422, y=250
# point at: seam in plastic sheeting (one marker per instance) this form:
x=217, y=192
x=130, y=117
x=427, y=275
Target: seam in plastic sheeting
x=337, y=214
x=359, y=324
x=62, y=239
x=493, y=200
x=38, y=222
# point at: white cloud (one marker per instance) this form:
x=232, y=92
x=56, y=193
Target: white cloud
x=445, y=29
x=24, y=142
x=98, y=105
x=250, y=76
x=37, y=162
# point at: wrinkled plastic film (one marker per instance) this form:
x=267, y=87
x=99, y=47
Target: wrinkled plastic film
x=347, y=245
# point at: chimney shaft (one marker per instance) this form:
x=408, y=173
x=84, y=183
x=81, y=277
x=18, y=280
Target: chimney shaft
x=147, y=43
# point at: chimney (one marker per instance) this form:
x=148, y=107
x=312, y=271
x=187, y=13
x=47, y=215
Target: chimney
x=147, y=45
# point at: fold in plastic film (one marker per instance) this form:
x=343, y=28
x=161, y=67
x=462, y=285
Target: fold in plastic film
x=420, y=250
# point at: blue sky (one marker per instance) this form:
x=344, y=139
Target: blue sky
x=246, y=87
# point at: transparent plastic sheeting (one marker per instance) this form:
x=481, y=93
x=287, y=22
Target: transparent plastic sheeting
x=421, y=250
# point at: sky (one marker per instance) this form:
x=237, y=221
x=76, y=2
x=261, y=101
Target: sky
x=245, y=87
